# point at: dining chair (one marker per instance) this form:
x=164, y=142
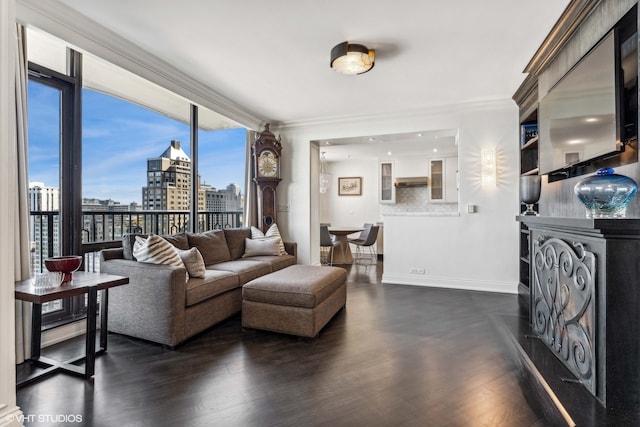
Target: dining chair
x=363, y=234
x=327, y=244
x=368, y=243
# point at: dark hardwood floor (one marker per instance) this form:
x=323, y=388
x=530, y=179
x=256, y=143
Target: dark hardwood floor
x=396, y=356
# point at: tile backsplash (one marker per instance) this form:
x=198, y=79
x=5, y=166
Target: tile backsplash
x=416, y=200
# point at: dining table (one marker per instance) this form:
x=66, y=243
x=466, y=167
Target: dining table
x=342, y=254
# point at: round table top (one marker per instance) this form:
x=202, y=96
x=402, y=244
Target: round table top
x=343, y=231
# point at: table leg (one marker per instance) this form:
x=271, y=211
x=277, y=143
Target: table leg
x=90, y=355
x=104, y=332
x=344, y=256
x=36, y=330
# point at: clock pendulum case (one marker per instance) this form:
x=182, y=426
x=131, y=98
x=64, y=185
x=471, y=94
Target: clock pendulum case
x=266, y=152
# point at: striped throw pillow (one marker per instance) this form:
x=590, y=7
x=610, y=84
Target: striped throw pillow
x=156, y=250
x=271, y=232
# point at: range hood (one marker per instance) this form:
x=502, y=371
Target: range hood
x=414, y=181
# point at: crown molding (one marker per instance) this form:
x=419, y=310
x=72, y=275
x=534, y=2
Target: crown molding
x=449, y=109
x=571, y=19
x=87, y=35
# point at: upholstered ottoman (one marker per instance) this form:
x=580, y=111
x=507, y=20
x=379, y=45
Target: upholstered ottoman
x=297, y=300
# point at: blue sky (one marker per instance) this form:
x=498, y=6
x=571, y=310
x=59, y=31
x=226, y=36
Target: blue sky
x=118, y=138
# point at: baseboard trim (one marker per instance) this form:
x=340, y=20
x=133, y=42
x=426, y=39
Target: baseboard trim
x=11, y=416
x=449, y=283
x=65, y=332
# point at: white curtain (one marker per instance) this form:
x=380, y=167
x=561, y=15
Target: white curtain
x=21, y=204
x=250, y=199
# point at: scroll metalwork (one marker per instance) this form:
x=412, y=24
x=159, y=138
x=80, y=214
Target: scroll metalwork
x=564, y=304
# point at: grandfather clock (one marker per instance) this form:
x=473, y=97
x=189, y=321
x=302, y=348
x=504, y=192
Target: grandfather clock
x=266, y=174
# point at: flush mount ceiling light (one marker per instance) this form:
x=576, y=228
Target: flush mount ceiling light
x=352, y=58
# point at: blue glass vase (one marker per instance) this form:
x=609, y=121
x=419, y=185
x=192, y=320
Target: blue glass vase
x=606, y=194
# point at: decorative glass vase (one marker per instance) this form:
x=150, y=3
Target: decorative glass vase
x=530, y=192
x=606, y=194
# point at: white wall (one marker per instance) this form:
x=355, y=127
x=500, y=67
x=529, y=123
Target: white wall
x=351, y=211
x=470, y=251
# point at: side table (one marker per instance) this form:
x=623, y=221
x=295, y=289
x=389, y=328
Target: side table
x=82, y=283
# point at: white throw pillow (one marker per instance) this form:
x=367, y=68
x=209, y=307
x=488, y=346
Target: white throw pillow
x=193, y=261
x=264, y=246
x=156, y=250
x=271, y=232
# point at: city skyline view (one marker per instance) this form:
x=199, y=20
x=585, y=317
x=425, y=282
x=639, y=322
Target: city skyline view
x=118, y=138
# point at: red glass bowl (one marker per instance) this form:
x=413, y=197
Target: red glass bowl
x=65, y=264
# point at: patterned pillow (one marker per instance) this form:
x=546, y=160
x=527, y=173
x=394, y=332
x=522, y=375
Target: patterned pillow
x=156, y=250
x=193, y=261
x=265, y=246
x=271, y=232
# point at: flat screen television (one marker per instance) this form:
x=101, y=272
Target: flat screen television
x=592, y=112
x=577, y=118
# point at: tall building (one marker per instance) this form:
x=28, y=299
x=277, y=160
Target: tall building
x=227, y=200
x=44, y=223
x=169, y=181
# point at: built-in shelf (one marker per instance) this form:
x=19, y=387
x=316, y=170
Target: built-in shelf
x=530, y=142
x=531, y=172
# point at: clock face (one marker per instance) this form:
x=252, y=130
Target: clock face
x=267, y=165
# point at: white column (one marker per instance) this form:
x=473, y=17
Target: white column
x=10, y=414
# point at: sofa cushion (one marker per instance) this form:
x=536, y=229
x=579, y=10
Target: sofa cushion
x=214, y=282
x=155, y=250
x=273, y=231
x=266, y=246
x=276, y=262
x=212, y=245
x=179, y=240
x=246, y=270
x=298, y=286
x=193, y=261
x=235, y=240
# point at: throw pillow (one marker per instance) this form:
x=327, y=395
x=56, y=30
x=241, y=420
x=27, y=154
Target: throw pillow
x=212, y=245
x=273, y=231
x=128, y=240
x=193, y=261
x=264, y=246
x=156, y=250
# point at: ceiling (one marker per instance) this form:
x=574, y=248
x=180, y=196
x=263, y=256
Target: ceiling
x=272, y=57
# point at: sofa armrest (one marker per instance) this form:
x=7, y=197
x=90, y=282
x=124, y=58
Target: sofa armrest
x=152, y=305
x=291, y=248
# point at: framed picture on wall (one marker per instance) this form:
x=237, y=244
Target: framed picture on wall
x=351, y=186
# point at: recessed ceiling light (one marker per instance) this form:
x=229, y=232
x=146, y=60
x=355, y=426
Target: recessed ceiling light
x=419, y=134
x=372, y=139
x=388, y=153
x=435, y=150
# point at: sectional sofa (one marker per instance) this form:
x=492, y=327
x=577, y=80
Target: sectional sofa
x=163, y=304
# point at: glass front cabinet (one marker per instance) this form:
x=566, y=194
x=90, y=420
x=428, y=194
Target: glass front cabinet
x=387, y=190
x=436, y=180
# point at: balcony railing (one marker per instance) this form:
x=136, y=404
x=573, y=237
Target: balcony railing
x=105, y=229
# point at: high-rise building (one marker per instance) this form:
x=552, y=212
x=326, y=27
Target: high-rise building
x=169, y=181
x=227, y=200
x=44, y=223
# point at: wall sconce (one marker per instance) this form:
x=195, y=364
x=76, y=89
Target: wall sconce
x=488, y=164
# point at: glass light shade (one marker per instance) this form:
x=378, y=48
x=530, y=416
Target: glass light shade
x=325, y=177
x=351, y=58
x=606, y=194
x=325, y=182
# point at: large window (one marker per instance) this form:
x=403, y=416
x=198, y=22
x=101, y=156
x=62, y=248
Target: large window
x=132, y=169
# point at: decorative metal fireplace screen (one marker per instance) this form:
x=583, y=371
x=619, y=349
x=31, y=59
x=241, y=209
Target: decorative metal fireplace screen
x=564, y=304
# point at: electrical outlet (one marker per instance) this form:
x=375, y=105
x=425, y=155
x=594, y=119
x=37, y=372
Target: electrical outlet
x=416, y=271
